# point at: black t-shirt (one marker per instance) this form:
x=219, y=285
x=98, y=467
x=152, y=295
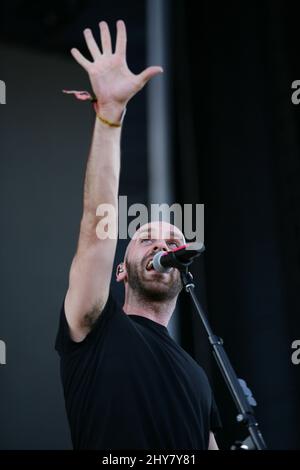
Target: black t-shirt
x=129, y=385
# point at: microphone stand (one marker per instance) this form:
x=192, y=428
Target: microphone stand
x=238, y=389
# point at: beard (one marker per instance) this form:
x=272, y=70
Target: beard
x=153, y=290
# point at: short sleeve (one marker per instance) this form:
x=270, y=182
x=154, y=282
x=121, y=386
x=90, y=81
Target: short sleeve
x=215, y=420
x=64, y=343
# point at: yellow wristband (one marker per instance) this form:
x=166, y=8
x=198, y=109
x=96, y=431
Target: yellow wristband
x=110, y=123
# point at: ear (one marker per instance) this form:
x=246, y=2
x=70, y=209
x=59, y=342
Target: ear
x=121, y=272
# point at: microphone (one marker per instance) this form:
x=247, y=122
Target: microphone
x=179, y=258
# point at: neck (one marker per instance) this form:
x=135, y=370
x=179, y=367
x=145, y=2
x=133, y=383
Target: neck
x=158, y=311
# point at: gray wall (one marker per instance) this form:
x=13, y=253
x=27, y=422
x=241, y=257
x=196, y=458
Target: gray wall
x=44, y=140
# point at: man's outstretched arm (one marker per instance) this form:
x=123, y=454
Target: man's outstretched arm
x=113, y=85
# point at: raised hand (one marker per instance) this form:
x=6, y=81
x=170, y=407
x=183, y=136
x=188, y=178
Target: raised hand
x=112, y=81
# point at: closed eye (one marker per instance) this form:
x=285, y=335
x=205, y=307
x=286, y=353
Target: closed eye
x=173, y=244
x=170, y=243
x=146, y=241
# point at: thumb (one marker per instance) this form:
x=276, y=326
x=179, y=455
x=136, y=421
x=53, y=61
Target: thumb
x=148, y=73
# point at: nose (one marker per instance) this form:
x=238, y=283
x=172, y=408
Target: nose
x=160, y=245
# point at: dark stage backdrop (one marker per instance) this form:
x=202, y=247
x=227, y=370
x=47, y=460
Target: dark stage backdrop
x=236, y=132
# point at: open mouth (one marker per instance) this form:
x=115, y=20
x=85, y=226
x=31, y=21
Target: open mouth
x=149, y=265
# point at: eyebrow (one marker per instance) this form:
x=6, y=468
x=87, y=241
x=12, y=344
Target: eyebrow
x=171, y=233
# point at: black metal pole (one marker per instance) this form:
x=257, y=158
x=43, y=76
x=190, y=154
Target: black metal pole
x=246, y=413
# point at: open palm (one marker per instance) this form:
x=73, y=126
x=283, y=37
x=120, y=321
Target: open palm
x=112, y=81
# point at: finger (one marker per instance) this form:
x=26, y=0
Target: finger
x=105, y=38
x=91, y=44
x=149, y=73
x=80, y=59
x=121, y=39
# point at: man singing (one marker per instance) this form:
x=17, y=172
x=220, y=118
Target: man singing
x=127, y=384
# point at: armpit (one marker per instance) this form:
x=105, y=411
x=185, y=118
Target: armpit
x=90, y=318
